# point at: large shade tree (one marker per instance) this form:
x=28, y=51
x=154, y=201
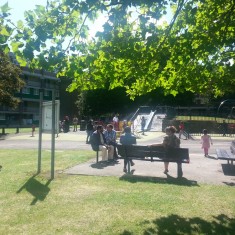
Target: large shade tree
x=192, y=51
x=10, y=81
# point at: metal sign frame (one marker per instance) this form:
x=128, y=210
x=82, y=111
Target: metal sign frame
x=47, y=116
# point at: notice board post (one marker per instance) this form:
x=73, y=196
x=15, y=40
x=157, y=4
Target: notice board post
x=50, y=124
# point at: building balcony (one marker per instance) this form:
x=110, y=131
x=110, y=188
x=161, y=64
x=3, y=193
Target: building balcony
x=29, y=110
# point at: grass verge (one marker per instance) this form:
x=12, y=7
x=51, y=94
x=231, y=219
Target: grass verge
x=32, y=204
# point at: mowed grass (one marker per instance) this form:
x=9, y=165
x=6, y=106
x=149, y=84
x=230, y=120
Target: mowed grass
x=12, y=130
x=32, y=204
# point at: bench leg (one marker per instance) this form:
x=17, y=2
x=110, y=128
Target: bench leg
x=179, y=170
x=97, y=156
x=128, y=166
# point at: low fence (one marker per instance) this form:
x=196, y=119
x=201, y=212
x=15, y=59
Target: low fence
x=213, y=134
x=194, y=126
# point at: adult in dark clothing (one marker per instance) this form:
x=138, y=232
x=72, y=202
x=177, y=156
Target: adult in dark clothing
x=224, y=126
x=89, y=131
x=98, y=143
x=66, y=124
x=127, y=139
x=143, y=123
x=169, y=141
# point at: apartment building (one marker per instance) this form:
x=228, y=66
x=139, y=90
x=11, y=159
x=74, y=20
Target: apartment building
x=27, y=112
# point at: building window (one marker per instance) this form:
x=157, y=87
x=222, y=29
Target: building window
x=26, y=78
x=26, y=90
x=47, y=93
x=36, y=91
x=2, y=116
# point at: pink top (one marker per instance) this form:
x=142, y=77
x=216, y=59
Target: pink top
x=206, y=140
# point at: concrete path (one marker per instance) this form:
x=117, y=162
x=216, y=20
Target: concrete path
x=200, y=170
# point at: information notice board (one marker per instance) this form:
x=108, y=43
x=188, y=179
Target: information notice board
x=47, y=116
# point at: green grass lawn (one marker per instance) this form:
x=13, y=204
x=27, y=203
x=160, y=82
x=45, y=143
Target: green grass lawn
x=32, y=204
x=12, y=130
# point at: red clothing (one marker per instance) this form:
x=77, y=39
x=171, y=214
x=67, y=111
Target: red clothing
x=181, y=126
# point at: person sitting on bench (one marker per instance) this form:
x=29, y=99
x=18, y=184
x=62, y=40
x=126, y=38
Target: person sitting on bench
x=110, y=137
x=127, y=139
x=169, y=141
x=98, y=143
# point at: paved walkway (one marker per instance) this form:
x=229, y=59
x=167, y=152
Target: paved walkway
x=200, y=170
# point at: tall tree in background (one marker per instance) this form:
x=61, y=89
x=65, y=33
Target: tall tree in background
x=10, y=81
x=135, y=50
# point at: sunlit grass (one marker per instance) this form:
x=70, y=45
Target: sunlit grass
x=11, y=130
x=32, y=204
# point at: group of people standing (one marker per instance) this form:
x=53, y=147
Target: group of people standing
x=64, y=125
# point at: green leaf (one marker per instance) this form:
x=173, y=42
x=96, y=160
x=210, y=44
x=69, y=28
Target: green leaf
x=20, y=24
x=4, y=32
x=5, y=8
x=16, y=45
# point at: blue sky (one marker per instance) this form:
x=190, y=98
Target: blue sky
x=20, y=6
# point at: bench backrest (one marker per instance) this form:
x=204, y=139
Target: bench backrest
x=232, y=147
x=141, y=151
x=173, y=153
x=137, y=151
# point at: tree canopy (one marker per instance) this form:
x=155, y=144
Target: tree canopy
x=192, y=51
x=10, y=81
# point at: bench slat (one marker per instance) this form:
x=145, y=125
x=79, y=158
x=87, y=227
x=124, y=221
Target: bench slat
x=232, y=147
x=224, y=154
x=157, y=153
x=154, y=153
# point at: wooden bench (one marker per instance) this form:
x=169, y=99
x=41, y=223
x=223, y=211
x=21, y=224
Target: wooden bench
x=153, y=154
x=97, y=154
x=223, y=154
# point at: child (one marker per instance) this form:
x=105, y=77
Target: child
x=206, y=141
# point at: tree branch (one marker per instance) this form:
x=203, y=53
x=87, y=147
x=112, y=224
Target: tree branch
x=179, y=8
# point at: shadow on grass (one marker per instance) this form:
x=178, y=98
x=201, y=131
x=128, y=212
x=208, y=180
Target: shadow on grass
x=229, y=183
x=177, y=225
x=37, y=189
x=169, y=180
